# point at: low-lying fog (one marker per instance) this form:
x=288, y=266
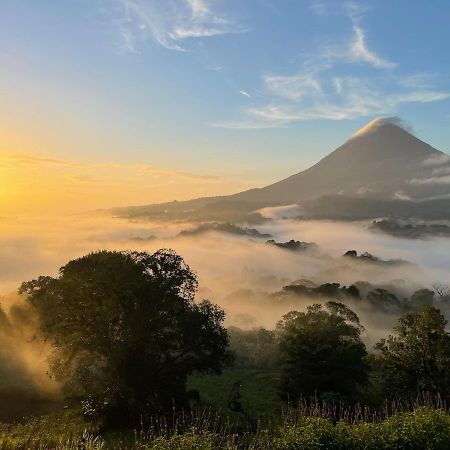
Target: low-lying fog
x=226, y=264
x=239, y=272
x=36, y=246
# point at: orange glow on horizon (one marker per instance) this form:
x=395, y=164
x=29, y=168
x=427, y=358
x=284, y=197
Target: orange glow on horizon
x=35, y=183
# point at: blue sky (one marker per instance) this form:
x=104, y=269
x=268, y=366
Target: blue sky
x=250, y=91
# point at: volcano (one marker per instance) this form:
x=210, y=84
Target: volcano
x=382, y=170
x=381, y=161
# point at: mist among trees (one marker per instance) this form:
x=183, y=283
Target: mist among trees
x=127, y=341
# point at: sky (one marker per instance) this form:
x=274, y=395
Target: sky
x=123, y=102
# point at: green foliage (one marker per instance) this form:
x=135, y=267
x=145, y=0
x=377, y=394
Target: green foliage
x=224, y=227
x=384, y=300
x=322, y=353
x=56, y=431
x=192, y=440
x=387, y=298
x=126, y=331
x=420, y=429
x=324, y=291
x=421, y=298
x=309, y=433
x=255, y=349
x=417, y=357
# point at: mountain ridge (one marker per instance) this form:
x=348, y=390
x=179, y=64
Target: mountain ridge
x=354, y=168
x=382, y=163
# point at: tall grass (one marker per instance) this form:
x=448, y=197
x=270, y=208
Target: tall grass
x=55, y=431
x=354, y=414
x=423, y=424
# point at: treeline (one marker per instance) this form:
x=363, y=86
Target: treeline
x=126, y=333
x=321, y=355
x=365, y=295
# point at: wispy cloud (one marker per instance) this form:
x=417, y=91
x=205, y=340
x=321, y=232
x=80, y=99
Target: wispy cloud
x=32, y=160
x=349, y=8
x=360, y=52
x=432, y=180
x=165, y=173
x=248, y=125
x=170, y=22
x=437, y=161
x=437, y=168
x=352, y=51
x=330, y=86
x=199, y=8
x=293, y=87
x=335, y=98
x=46, y=165
x=245, y=94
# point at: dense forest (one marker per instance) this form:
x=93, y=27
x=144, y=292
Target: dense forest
x=135, y=360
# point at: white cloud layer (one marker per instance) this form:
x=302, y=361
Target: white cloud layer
x=438, y=160
x=432, y=180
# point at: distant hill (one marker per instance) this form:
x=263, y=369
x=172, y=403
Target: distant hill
x=382, y=170
x=225, y=227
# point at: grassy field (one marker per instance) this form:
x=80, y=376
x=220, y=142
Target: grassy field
x=258, y=391
x=214, y=426
x=258, y=397
x=421, y=429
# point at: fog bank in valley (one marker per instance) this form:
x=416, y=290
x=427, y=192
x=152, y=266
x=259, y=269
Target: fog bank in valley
x=241, y=272
x=224, y=262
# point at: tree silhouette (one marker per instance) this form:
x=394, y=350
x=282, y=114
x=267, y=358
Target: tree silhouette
x=126, y=331
x=416, y=358
x=322, y=352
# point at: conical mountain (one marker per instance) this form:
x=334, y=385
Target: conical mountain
x=382, y=160
x=381, y=170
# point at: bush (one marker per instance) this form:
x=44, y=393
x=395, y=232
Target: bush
x=422, y=429
x=310, y=433
x=192, y=440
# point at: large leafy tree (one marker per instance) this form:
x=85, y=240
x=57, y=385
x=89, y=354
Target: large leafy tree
x=416, y=358
x=322, y=353
x=126, y=331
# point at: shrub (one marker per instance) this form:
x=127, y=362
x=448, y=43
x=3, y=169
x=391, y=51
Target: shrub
x=422, y=429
